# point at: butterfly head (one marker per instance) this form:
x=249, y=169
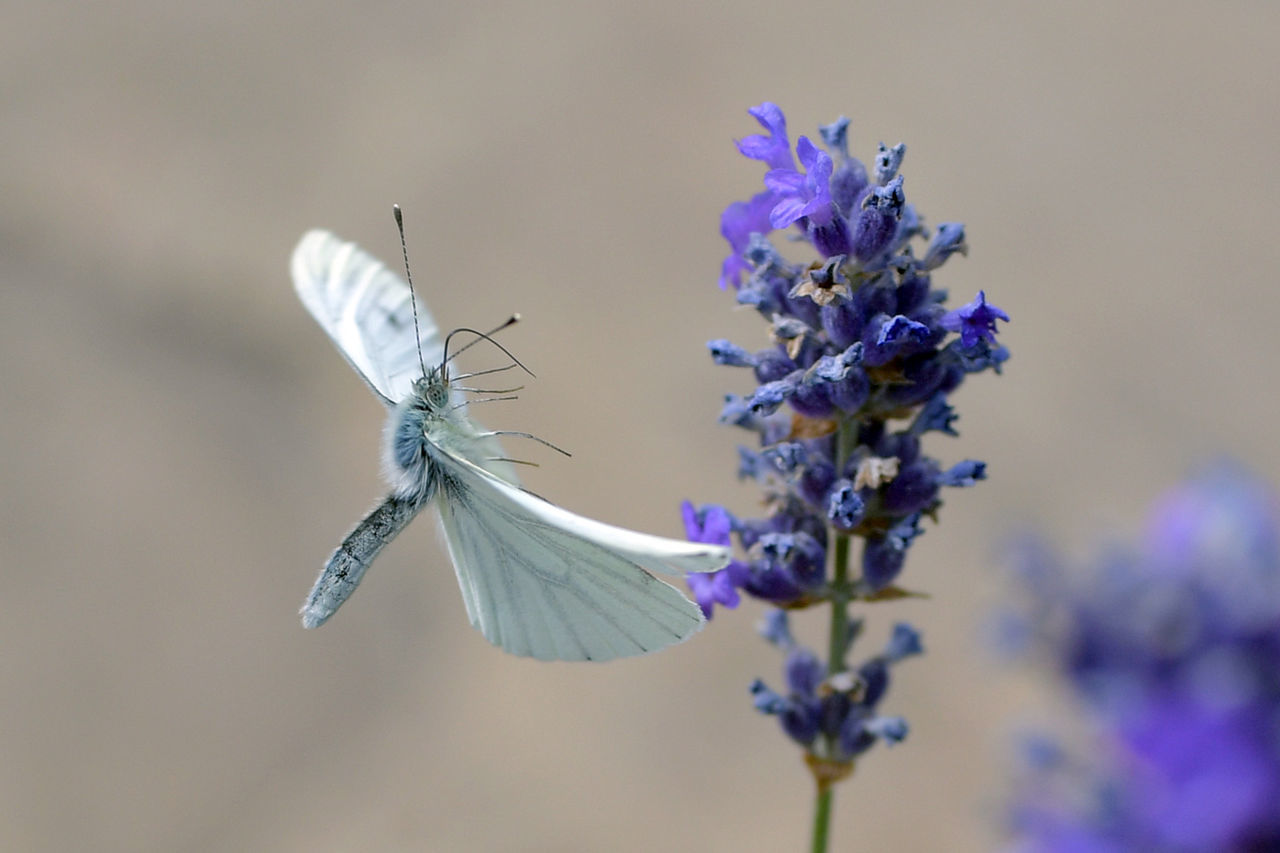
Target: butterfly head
x=433, y=389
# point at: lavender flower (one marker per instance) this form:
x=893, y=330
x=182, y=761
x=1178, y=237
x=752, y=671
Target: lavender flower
x=841, y=707
x=1172, y=648
x=975, y=322
x=712, y=526
x=852, y=372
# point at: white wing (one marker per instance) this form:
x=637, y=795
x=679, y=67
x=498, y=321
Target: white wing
x=542, y=582
x=367, y=311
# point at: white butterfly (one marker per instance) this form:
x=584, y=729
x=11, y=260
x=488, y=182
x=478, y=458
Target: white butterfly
x=537, y=580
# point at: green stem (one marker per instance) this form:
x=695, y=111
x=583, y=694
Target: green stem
x=841, y=591
x=839, y=606
x=840, y=588
x=821, y=819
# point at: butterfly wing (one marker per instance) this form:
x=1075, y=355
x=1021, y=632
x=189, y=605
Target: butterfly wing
x=367, y=310
x=542, y=582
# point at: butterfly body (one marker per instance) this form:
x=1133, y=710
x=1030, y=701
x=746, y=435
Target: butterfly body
x=406, y=456
x=536, y=579
x=408, y=437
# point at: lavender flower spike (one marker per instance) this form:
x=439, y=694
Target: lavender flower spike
x=852, y=368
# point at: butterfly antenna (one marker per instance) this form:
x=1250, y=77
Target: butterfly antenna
x=413, y=299
x=484, y=336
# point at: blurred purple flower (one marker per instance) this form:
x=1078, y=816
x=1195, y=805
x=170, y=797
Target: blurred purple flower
x=1173, y=648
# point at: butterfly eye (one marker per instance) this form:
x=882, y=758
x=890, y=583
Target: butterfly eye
x=437, y=392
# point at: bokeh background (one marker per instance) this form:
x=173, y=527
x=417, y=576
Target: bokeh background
x=181, y=446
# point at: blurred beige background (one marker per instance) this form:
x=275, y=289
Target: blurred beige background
x=182, y=447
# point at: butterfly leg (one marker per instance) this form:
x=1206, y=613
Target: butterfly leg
x=347, y=566
x=529, y=436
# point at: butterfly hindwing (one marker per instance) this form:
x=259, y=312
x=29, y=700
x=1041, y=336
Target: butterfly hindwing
x=540, y=587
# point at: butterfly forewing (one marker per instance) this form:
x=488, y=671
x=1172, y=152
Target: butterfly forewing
x=367, y=310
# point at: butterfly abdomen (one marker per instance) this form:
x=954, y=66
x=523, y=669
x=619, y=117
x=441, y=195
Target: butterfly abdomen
x=343, y=572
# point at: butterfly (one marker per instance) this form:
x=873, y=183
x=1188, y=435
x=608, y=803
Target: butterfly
x=537, y=580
